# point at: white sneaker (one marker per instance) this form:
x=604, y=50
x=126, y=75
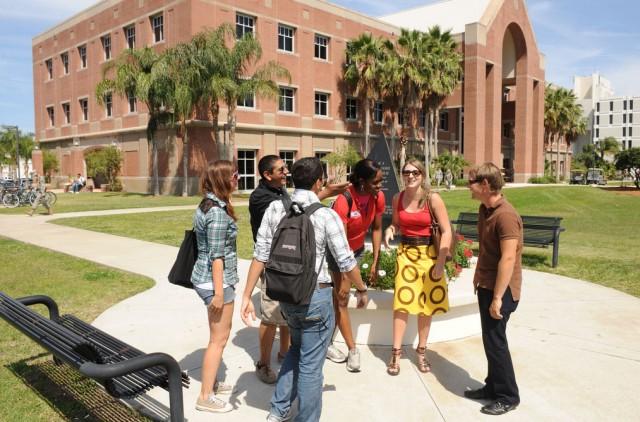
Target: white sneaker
x=353, y=360
x=273, y=418
x=335, y=355
x=213, y=404
x=221, y=388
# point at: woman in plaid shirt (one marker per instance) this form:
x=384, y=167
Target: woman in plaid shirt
x=215, y=273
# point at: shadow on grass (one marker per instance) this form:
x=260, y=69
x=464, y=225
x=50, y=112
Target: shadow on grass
x=69, y=393
x=536, y=261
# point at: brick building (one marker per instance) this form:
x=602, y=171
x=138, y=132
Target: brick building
x=495, y=114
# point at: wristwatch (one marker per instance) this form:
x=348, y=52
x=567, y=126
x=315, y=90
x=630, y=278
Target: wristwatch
x=361, y=291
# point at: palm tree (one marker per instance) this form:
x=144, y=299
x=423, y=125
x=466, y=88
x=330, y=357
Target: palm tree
x=443, y=71
x=241, y=76
x=185, y=72
x=390, y=84
x=608, y=145
x=365, y=58
x=137, y=72
x=563, y=117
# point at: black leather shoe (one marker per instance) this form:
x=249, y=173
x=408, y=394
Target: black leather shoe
x=479, y=394
x=498, y=407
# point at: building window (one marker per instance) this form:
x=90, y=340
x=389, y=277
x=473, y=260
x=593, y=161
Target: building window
x=289, y=158
x=597, y=133
x=352, y=109
x=84, y=107
x=630, y=104
x=422, y=118
x=82, y=52
x=108, y=104
x=64, y=58
x=444, y=121
x=106, y=46
x=285, y=102
x=133, y=105
x=610, y=105
x=66, y=111
x=624, y=105
x=322, y=104
x=130, y=36
x=285, y=38
x=377, y=112
x=630, y=118
x=49, y=65
x=624, y=131
x=506, y=130
x=321, y=46
x=630, y=132
x=244, y=25
x=630, y=144
x=247, y=102
x=157, y=27
x=246, y=170
x=598, y=107
x=50, y=113
x=597, y=120
x=325, y=169
x=611, y=119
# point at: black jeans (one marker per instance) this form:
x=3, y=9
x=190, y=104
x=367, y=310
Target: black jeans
x=501, y=379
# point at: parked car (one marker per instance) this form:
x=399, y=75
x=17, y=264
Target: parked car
x=577, y=177
x=595, y=176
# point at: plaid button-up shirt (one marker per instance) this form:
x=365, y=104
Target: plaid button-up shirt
x=328, y=229
x=216, y=233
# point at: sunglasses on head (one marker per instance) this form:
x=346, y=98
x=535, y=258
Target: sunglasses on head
x=472, y=181
x=280, y=169
x=414, y=173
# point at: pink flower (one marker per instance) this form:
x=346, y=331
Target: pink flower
x=469, y=242
x=468, y=253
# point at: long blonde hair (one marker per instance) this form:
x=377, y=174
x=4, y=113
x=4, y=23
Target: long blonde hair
x=217, y=180
x=424, y=189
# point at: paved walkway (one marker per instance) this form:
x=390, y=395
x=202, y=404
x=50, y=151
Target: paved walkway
x=576, y=345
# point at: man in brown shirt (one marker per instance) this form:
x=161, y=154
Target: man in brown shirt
x=498, y=281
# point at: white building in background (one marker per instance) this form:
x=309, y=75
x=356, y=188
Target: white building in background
x=607, y=114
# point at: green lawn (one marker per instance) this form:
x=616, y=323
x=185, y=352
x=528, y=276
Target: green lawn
x=79, y=287
x=599, y=244
x=68, y=202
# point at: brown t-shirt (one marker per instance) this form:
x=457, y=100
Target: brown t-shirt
x=495, y=224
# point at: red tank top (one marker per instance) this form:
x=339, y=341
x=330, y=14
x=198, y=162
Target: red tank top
x=414, y=223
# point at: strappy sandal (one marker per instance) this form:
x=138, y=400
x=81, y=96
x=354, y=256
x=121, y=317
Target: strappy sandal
x=422, y=363
x=393, y=368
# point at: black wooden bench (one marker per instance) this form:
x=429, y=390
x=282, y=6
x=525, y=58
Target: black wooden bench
x=124, y=371
x=538, y=231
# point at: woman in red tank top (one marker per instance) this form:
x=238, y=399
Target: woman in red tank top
x=420, y=285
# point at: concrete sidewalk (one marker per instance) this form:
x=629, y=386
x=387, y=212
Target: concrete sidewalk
x=575, y=345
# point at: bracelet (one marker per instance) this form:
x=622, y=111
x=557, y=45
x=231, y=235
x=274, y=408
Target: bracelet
x=361, y=291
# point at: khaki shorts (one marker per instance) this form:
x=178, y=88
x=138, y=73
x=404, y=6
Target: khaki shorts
x=269, y=309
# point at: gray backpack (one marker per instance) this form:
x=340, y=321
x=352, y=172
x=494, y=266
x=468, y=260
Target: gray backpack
x=290, y=272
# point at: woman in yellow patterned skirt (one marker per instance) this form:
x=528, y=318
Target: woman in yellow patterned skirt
x=420, y=285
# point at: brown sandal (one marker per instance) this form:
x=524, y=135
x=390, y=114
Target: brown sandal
x=393, y=368
x=423, y=364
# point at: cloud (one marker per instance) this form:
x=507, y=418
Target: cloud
x=623, y=76
x=44, y=10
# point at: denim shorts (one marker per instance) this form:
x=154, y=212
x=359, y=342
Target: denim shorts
x=228, y=294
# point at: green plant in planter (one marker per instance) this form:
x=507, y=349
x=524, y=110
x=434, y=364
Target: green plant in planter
x=386, y=268
x=387, y=264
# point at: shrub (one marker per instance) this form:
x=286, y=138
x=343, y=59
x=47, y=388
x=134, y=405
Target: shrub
x=49, y=164
x=542, y=180
x=107, y=163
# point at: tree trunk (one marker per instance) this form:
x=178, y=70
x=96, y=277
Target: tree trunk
x=185, y=158
x=558, y=158
x=427, y=150
x=436, y=124
x=231, y=123
x=367, y=126
x=154, y=158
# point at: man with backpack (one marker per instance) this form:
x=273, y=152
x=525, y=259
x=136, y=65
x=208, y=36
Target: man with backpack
x=291, y=245
x=273, y=173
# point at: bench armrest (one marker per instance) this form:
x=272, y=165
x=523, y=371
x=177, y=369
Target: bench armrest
x=51, y=304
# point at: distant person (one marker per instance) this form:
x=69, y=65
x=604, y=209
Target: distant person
x=438, y=177
x=215, y=274
x=78, y=184
x=310, y=325
x=420, y=284
x=41, y=198
x=497, y=280
x=448, y=179
x=360, y=208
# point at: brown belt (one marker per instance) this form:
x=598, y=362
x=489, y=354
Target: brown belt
x=324, y=285
x=416, y=240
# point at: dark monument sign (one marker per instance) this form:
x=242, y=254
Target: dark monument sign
x=381, y=155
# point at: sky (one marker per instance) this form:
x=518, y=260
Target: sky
x=578, y=37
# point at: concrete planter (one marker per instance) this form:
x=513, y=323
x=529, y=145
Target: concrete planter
x=373, y=324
